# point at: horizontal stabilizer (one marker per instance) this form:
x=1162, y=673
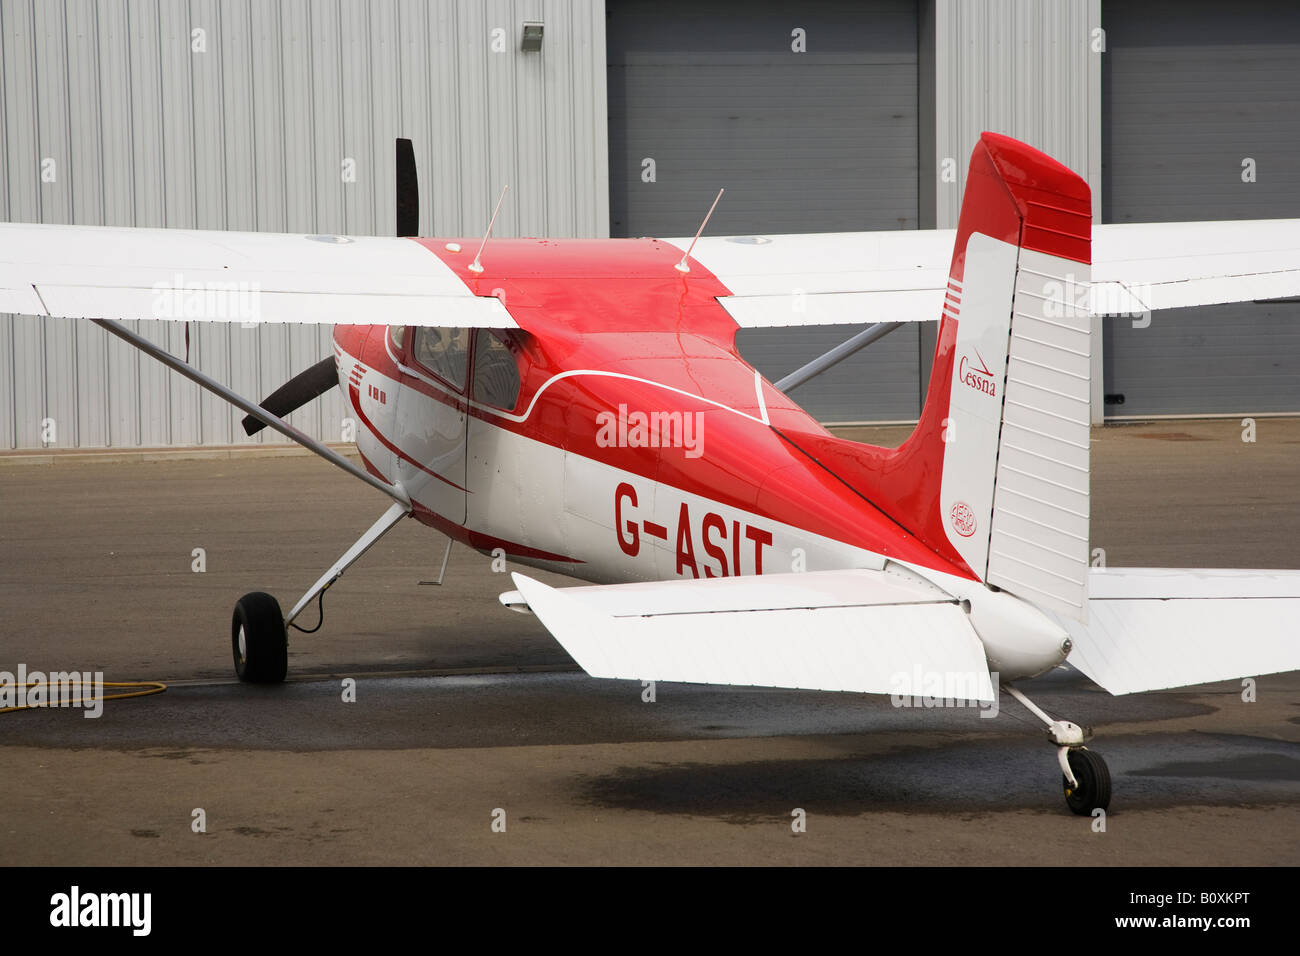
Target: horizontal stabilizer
x=859, y=630
x=1153, y=628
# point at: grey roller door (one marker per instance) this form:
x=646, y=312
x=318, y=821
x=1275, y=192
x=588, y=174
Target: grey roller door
x=1191, y=89
x=819, y=141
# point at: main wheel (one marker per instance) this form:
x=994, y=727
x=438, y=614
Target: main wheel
x=258, y=639
x=1093, y=791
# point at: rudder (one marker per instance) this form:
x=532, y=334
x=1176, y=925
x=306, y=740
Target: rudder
x=995, y=476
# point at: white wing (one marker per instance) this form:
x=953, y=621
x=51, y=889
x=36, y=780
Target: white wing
x=848, y=278
x=857, y=630
x=128, y=273
x=830, y=278
x=816, y=279
x=1169, y=265
x=110, y=273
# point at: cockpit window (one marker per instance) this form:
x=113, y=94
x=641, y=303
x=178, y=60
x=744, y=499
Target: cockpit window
x=444, y=352
x=496, y=370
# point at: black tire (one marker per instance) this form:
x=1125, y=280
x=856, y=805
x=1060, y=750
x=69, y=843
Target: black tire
x=264, y=656
x=1093, y=791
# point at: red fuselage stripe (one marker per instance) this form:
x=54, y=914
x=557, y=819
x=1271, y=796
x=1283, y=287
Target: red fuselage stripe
x=356, y=403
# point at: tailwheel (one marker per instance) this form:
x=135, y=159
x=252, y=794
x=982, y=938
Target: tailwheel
x=258, y=639
x=1093, y=782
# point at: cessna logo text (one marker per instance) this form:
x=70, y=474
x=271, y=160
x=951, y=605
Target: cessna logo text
x=977, y=376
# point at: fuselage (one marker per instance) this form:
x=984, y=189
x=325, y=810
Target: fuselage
x=635, y=444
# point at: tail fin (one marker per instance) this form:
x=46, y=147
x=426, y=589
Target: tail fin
x=995, y=476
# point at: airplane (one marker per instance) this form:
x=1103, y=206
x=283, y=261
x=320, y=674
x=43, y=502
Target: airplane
x=580, y=405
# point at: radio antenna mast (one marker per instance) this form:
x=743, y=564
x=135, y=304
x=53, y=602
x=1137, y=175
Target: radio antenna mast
x=477, y=266
x=682, y=266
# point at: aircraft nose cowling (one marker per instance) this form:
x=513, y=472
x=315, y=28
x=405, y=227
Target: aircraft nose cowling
x=1019, y=639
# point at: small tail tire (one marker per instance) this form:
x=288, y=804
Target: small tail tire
x=258, y=640
x=1093, y=791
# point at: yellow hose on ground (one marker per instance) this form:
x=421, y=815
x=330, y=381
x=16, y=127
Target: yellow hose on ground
x=151, y=687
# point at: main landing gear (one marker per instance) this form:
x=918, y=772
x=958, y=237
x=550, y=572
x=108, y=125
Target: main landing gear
x=1084, y=774
x=259, y=631
x=259, y=640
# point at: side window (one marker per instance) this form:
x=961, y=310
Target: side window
x=444, y=352
x=496, y=370
x=397, y=334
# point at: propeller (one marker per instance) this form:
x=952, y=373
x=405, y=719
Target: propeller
x=322, y=376
x=296, y=393
x=408, y=190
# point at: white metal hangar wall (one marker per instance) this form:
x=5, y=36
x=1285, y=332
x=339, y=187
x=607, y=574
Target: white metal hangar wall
x=1202, y=121
x=273, y=116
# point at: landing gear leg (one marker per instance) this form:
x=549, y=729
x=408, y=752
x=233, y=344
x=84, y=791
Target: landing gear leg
x=259, y=632
x=1084, y=774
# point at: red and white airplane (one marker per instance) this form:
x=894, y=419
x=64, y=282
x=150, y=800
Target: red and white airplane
x=580, y=404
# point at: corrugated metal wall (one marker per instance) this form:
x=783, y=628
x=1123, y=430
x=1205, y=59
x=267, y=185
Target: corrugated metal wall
x=1028, y=69
x=111, y=114
x=1019, y=67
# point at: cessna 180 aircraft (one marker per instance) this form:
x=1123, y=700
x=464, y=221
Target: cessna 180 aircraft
x=581, y=405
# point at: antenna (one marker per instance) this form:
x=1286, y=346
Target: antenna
x=477, y=266
x=682, y=266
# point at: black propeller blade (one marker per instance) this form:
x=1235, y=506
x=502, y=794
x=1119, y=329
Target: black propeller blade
x=296, y=392
x=321, y=377
x=408, y=190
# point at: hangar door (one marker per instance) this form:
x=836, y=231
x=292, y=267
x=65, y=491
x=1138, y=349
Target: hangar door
x=807, y=114
x=1190, y=90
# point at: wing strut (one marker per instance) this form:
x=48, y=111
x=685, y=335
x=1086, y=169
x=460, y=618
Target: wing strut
x=394, y=514
x=274, y=421
x=835, y=355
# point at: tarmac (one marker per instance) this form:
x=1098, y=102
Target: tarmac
x=474, y=739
